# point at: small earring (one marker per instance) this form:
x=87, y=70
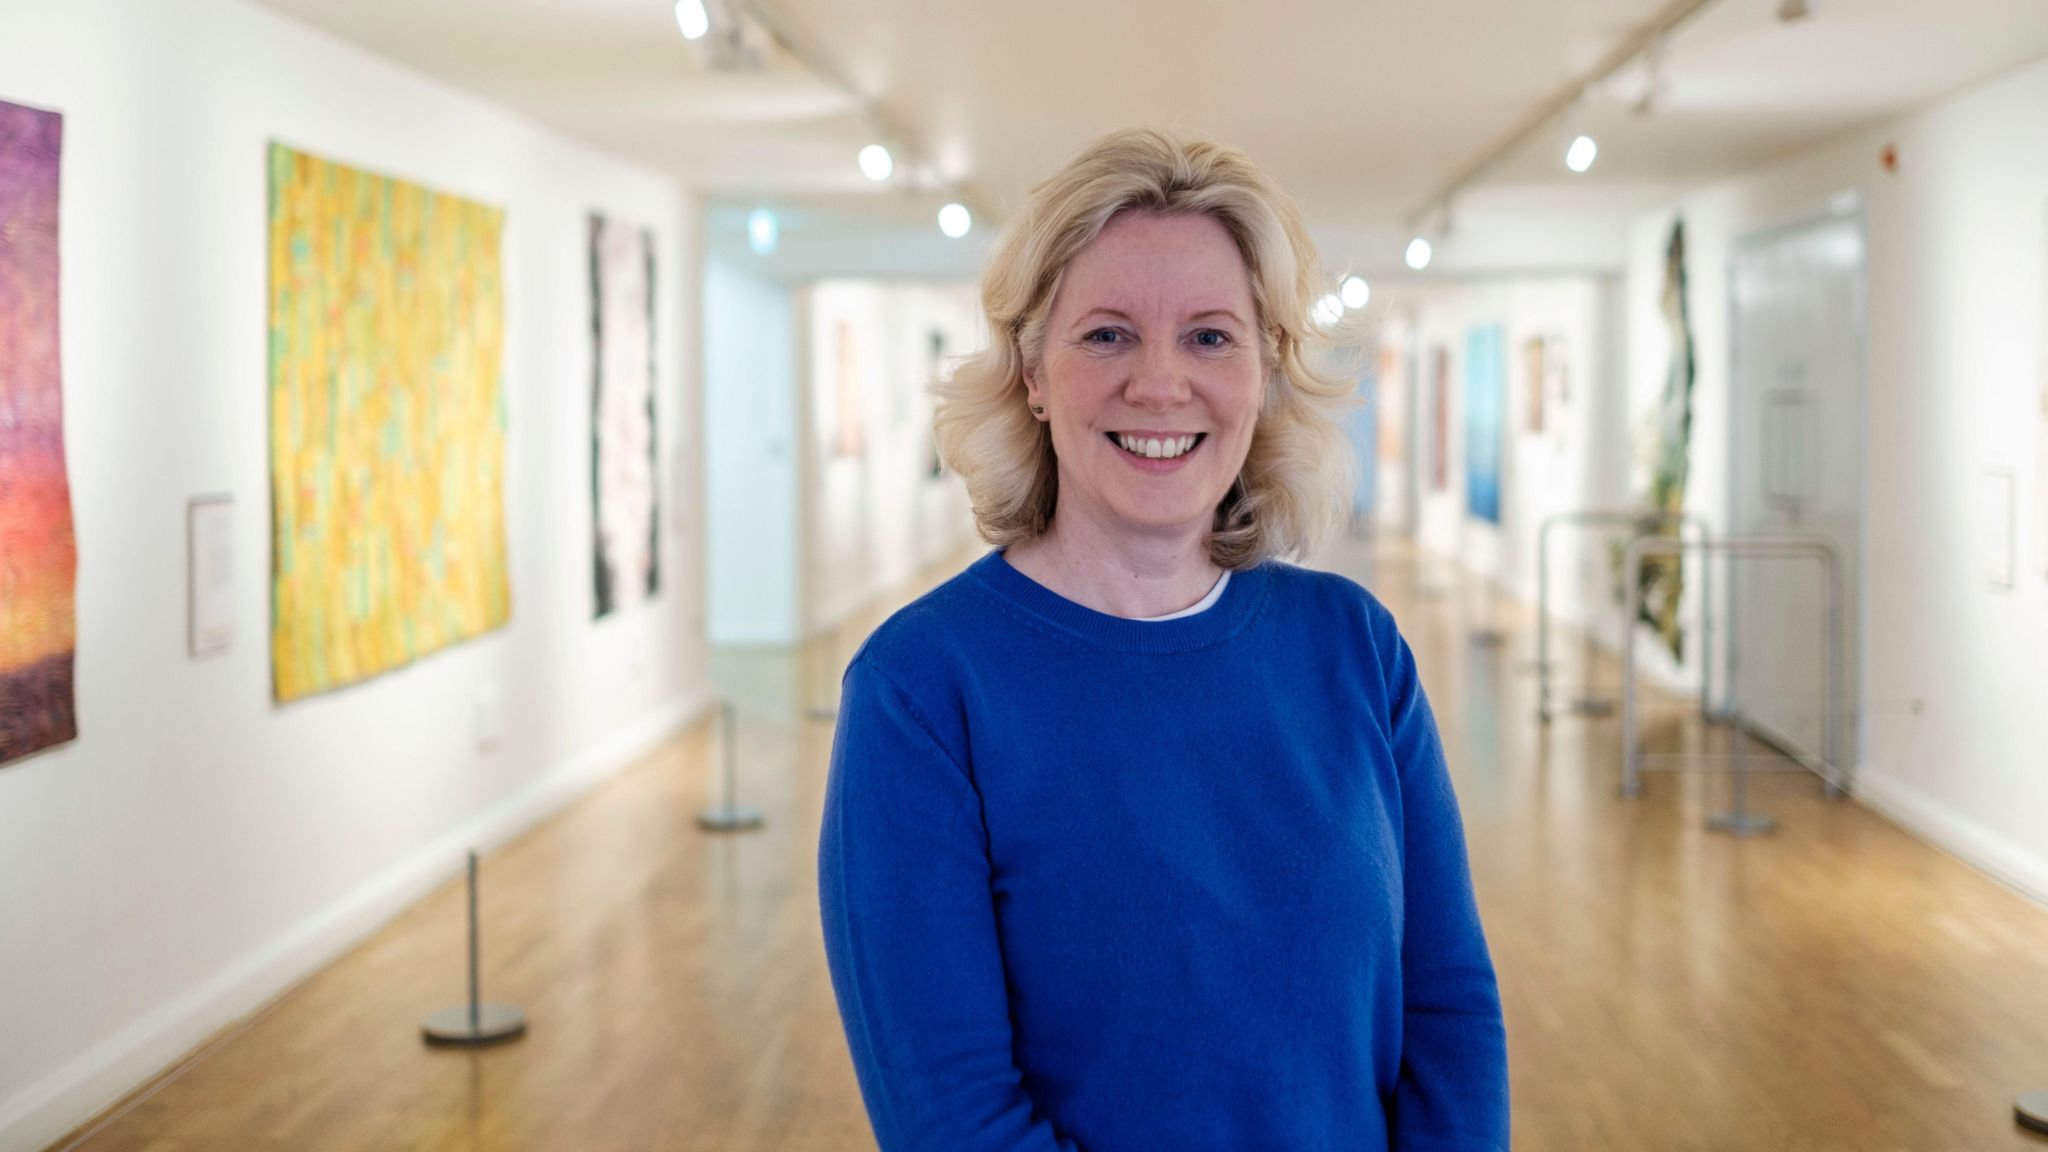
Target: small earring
x=1038, y=410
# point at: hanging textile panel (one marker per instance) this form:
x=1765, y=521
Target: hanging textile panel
x=624, y=502
x=387, y=422
x=38, y=552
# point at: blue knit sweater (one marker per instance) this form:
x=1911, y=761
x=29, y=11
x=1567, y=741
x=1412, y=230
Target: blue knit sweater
x=1112, y=885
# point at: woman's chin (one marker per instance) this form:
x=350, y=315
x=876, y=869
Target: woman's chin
x=1165, y=520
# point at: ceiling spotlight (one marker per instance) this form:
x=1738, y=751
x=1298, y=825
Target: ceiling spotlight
x=762, y=231
x=1418, y=254
x=1355, y=292
x=1793, y=11
x=876, y=163
x=692, y=19
x=1580, y=155
x=955, y=220
x=1328, y=310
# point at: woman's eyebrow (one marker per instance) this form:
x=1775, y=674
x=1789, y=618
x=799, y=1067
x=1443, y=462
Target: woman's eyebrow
x=1092, y=313
x=1204, y=314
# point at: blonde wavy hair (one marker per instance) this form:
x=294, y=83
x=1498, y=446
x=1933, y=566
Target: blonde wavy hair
x=1295, y=484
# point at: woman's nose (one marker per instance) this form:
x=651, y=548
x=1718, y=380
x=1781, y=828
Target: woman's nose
x=1158, y=380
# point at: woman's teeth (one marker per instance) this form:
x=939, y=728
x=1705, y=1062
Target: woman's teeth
x=1156, y=449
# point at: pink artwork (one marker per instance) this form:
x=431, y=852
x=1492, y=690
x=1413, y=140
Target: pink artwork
x=38, y=554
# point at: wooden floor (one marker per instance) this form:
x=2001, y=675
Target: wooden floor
x=1835, y=986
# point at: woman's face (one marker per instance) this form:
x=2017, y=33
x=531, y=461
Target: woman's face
x=1152, y=343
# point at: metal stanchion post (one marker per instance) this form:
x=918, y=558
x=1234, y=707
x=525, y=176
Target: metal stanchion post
x=1543, y=622
x=728, y=816
x=475, y=1023
x=1808, y=546
x=1631, y=755
x=1738, y=821
x=1586, y=703
x=2031, y=1111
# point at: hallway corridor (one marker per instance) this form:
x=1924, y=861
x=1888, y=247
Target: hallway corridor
x=1837, y=985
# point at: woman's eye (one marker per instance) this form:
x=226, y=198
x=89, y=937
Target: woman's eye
x=1103, y=336
x=1212, y=338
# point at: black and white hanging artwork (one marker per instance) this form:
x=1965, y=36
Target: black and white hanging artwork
x=626, y=527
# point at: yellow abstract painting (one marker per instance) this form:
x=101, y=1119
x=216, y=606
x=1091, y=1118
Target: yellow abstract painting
x=387, y=422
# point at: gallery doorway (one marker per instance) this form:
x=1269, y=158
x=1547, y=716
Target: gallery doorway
x=1798, y=431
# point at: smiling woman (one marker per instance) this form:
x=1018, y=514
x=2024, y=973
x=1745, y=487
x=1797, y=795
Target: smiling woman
x=1209, y=226
x=1137, y=837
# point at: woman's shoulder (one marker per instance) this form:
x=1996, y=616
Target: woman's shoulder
x=1330, y=596
x=923, y=632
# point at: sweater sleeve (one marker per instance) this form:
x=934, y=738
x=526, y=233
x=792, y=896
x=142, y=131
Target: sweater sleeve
x=1452, y=1095
x=910, y=935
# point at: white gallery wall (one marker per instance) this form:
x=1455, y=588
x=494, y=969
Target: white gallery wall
x=1577, y=459
x=874, y=511
x=1955, y=668
x=752, y=455
x=199, y=848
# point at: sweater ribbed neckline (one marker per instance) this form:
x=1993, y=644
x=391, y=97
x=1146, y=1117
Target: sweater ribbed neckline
x=1240, y=600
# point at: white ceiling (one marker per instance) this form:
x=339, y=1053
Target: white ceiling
x=1360, y=107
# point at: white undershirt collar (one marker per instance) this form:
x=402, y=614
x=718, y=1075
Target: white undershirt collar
x=1203, y=605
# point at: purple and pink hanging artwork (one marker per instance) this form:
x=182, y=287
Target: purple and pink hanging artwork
x=38, y=554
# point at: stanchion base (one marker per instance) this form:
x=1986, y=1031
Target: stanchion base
x=1592, y=706
x=494, y=1024
x=2031, y=1112
x=822, y=715
x=730, y=819
x=1742, y=826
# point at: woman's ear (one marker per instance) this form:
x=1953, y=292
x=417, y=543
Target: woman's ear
x=1034, y=392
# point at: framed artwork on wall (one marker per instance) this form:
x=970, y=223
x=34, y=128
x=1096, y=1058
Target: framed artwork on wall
x=1440, y=419
x=1393, y=400
x=209, y=575
x=1535, y=378
x=38, y=550
x=1557, y=371
x=849, y=439
x=1485, y=423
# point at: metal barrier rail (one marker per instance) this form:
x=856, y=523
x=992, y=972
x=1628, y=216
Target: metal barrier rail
x=1788, y=546
x=1613, y=518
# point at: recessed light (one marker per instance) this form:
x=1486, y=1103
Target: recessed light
x=955, y=220
x=1580, y=156
x=876, y=163
x=692, y=19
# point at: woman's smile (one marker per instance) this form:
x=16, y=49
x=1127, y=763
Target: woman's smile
x=1156, y=452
